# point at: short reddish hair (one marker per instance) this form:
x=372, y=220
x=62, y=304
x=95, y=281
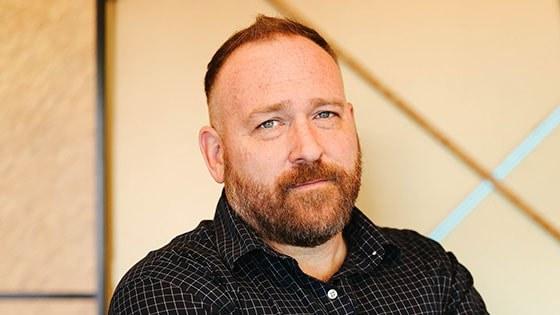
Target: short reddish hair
x=265, y=27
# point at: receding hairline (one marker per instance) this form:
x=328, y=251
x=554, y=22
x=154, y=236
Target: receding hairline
x=212, y=106
x=264, y=27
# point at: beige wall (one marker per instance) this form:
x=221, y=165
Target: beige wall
x=47, y=154
x=483, y=72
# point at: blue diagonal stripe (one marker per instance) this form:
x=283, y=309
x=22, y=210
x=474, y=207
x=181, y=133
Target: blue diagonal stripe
x=508, y=164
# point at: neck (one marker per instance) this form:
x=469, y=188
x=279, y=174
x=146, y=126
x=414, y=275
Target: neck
x=320, y=262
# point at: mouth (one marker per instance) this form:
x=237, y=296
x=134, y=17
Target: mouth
x=311, y=184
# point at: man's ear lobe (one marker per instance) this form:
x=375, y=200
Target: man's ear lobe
x=212, y=151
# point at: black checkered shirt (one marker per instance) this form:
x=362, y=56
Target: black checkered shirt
x=222, y=267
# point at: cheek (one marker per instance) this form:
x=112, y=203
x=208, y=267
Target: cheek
x=259, y=162
x=342, y=148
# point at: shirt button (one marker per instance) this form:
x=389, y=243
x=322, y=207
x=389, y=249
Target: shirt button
x=332, y=294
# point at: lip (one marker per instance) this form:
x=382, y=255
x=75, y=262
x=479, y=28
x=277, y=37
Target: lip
x=311, y=183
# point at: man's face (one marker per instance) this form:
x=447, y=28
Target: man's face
x=291, y=153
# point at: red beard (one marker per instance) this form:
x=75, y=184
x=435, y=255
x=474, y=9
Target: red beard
x=298, y=216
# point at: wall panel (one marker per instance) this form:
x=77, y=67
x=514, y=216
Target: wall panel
x=47, y=153
x=513, y=261
x=538, y=177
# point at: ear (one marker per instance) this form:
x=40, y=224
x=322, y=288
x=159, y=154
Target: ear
x=351, y=107
x=212, y=151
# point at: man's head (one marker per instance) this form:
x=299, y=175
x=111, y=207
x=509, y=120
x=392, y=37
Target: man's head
x=283, y=138
x=264, y=28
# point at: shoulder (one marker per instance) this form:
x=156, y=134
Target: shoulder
x=183, y=271
x=189, y=255
x=425, y=256
x=419, y=250
x=412, y=241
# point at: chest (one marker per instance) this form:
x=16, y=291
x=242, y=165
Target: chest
x=282, y=290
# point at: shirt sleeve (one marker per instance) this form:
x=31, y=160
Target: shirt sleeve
x=464, y=299
x=151, y=296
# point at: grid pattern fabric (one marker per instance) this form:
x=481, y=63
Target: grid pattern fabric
x=223, y=267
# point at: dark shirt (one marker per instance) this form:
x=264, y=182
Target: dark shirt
x=223, y=267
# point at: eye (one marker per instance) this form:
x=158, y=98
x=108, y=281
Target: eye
x=325, y=114
x=269, y=124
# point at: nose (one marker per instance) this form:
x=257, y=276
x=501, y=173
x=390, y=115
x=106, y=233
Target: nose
x=305, y=147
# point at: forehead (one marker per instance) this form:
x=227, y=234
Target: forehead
x=284, y=68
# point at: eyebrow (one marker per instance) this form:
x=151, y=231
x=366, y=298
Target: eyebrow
x=272, y=108
x=316, y=102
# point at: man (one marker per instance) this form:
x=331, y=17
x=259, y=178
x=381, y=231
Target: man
x=286, y=237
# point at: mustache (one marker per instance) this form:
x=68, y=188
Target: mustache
x=310, y=172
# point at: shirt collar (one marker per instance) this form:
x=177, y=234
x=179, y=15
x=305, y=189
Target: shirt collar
x=367, y=246
x=234, y=237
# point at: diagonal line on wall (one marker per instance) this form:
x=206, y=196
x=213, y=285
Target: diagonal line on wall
x=389, y=95
x=506, y=166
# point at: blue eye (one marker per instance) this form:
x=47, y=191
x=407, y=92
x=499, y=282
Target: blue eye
x=325, y=114
x=268, y=124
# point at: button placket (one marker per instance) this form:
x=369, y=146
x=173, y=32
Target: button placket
x=332, y=294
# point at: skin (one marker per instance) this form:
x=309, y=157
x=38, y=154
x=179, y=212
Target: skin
x=275, y=104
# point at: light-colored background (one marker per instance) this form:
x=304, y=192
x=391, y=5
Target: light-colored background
x=485, y=72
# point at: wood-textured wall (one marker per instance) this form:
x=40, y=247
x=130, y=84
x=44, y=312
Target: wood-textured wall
x=47, y=152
